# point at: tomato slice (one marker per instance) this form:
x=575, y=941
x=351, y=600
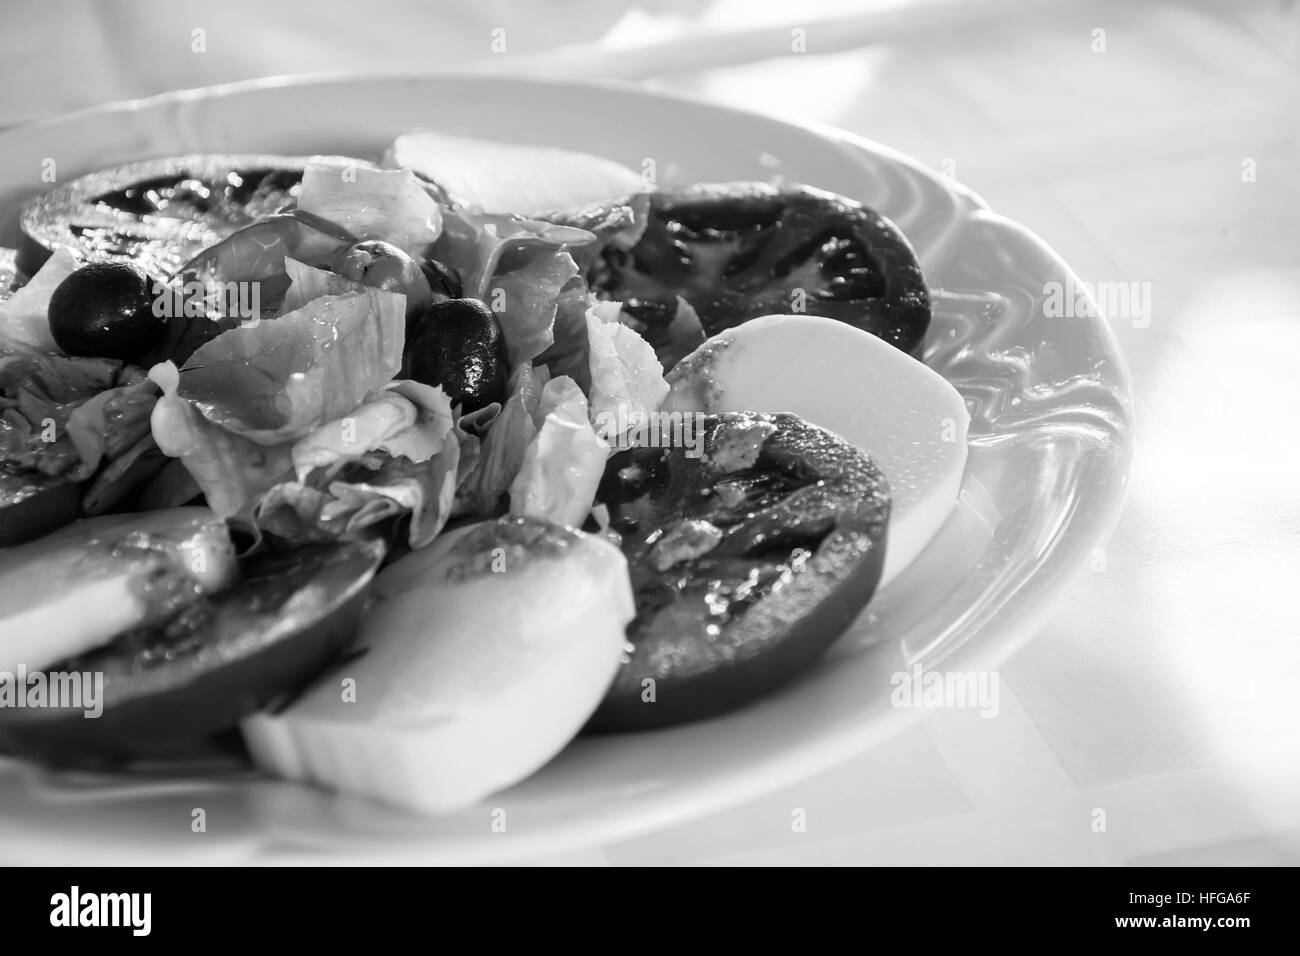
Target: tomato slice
x=224, y=656
x=736, y=251
x=747, y=562
x=161, y=212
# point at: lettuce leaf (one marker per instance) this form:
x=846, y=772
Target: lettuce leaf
x=24, y=316
x=406, y=419
x=279, y=380
x=502, y=451
x=130, y=471
x=558, y=477
x=527, y=296
x=471, y=427
x=306, y=283
x=627, y=381
x=615, y=224
x=474, y=243
x=334, y=444
x=293, y=510
x=172, y=487
x=257, y=256
x=568, y=354
x=110, y=423
x=346, y=508
x=39, y=393
x=404, y=422
x=434, y=421
x=471, y=431
x=59, y=379
x=258, y=251
x=233, y=471
x=388, y=204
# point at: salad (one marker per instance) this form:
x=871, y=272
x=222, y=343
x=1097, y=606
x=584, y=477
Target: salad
x=395, y=474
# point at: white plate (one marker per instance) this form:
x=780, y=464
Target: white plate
x=1049, y=449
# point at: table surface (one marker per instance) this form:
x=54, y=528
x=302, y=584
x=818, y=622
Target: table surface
x=1163, y=149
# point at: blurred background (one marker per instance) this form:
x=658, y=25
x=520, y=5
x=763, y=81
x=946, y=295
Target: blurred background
x=1152, y=142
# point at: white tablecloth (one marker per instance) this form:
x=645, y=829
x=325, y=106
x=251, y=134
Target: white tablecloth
x=1163, y=690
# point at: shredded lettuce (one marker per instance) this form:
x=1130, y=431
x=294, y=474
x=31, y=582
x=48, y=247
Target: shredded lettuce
x=279, y=380
x=24, y=316
x=558, y=477
x=373, y=204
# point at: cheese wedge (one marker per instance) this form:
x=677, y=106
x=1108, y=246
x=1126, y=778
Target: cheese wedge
x=906, y=416
x=481, y=657
x=507, y=177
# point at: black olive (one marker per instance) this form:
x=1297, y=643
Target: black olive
x=105, y=310
x=460, y=346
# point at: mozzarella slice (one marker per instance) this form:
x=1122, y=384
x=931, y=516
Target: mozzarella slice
x=484, y=654
x=507, y=177
x=906, y=416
